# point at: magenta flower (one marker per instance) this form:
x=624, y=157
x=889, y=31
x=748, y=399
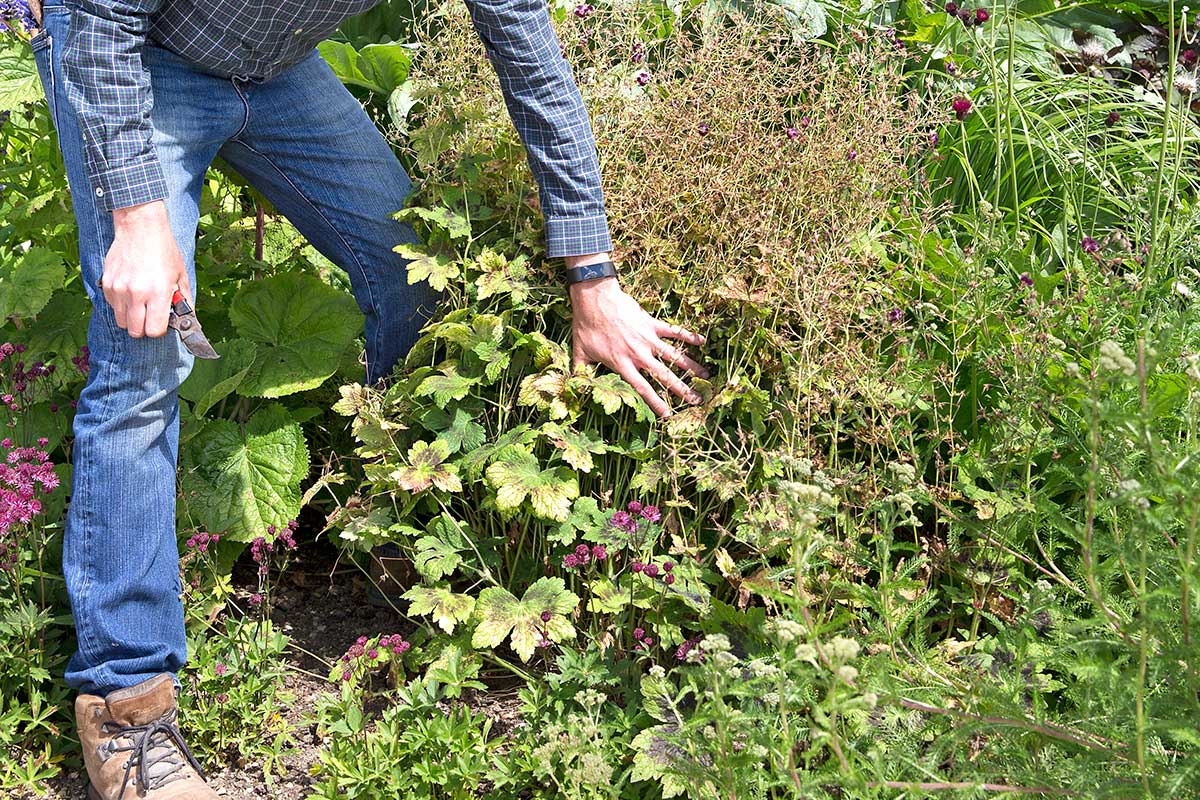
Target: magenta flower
x=981, y=16
x=668, y=579
x=634, y=507
x=961, y=106
x=792, y=133
x=651, y=570
x=1026, y=279
x=638, y=633
x=643, y=78
x=1112, y=118
x=583, y=10
x=636, y=566
x=1090, y=245
x=668, y=566
x=220, y=669
x=546, y=616
x=703, y=128
x=570, y=561
x=599, y=552
x=952, y=7
x=651, y=513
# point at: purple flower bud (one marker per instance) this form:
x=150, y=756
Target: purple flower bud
x=372, y=654
x=546, y=616
x=647, y=641
x=1112, y=119
x=634, y=507
x=1090, y=245
x=582, y=550
x=952, y=8
x=792, y=133
x=981, y=16
x=1026, y=279
x=599, y=552
x=703, y=128
x=638, y=633
x=668, y=566
x=961, y=107
x=668, y=579
x=220, y=669
x=651, y=570
x=636, y=566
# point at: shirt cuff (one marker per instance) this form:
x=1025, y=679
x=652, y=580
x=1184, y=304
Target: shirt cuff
x=577, y=236
x=131, y=184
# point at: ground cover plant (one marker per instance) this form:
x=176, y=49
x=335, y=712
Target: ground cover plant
x=932, y=531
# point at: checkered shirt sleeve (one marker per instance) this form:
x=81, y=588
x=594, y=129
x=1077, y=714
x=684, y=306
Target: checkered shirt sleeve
x=110, y=92
x=546, y=107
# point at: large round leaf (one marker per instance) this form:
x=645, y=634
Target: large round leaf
x=238, y=481
x=301, y=327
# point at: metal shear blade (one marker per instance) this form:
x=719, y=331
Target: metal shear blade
x=183, y=319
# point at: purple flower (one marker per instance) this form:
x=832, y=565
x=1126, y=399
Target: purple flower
x=399, y=649
x=682, y=651
x=583, y=10
x=1112, y=118
x=372, y=654
x=638, y=633
x=668, y=579
x=792, y=133
x=546, y=616
x=1090, y=245
x=599, y=552
x=952, y=7
x=961, y=107
x=220, y=669
x=981, y=16
x=637, y=53
x=256, y=600
x=668, y=566
x=623, y=521
x=934, y=138
x=895, y=316
x=634, y=507
x=651, y=570
x=703, y=128
x=1026, y=279
x=651, y=513
x=570, y=561
x=636, y=566
x=582, y=551
x=643, y=78
x=851, y=154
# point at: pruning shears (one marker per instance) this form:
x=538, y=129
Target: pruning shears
x=183, y=319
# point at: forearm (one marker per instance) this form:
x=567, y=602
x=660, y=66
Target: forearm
x=547, y=109
x=110, y=93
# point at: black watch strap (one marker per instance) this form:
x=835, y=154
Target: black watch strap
x=590, y=272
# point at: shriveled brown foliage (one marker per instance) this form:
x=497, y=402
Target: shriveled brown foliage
x=740, y=221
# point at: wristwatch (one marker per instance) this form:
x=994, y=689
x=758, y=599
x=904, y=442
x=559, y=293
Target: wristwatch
x=591, y=272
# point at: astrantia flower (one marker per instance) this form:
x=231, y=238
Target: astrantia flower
x=952, y=8
x=623, y=521
x=895, y=315
x=634, y=507
x=981, y=16
x=599, y=552
x=668, y=579
x=638, y=633
x=1189, y=57
x=703, y=128
x=1025, y=279
x=1090, y=245
x=636, y=566
x=570, y=561
x=792, y=133
x=651, y=513
x=220, y=669
x=851, y=154
x=583, y=10
x=966, y=17
x=1112, y=119
x=961, y=106
x=546, y=616
x=643, y=78
x=637, y=53
x=668, y=566
x=651, y=570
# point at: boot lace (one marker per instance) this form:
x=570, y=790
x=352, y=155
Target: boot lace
x=155, y=749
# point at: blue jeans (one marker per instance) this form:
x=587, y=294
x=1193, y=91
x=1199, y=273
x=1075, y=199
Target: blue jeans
x=304, y=142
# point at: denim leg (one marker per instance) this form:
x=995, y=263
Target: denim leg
x=120, y=555
x=311, y=149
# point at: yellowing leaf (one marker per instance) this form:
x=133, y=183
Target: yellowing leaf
x=447, y=608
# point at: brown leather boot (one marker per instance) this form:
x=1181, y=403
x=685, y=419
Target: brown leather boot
x=132, y=748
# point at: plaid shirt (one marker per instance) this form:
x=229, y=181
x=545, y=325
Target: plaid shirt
x=110, y=90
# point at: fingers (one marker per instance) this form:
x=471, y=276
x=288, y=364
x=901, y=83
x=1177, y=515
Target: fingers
x=672, y=382
x=157, y=314
x=678, y=332
x=135, y=317
x=677, y=358
x=657, y=404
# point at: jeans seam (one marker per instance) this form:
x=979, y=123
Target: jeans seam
x=349, y=249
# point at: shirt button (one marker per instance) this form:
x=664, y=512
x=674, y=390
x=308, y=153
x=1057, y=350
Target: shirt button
x=99, y=193
x=298, y=31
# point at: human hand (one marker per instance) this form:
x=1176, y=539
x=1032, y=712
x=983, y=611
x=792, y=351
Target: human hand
x=609, y=327
x=143, y=269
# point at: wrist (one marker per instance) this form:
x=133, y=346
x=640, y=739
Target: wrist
x=588, y=290
x=126, y=219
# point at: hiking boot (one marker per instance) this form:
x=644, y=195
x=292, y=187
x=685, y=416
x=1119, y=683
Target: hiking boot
x=132, y=747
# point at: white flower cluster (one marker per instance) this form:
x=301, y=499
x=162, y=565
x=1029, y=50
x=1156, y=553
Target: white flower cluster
x=1113, y=359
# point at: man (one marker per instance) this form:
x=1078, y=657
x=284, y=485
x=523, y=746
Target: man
x=145, y=94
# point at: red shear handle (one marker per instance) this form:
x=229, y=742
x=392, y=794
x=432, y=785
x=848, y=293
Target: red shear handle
x=175, y=298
